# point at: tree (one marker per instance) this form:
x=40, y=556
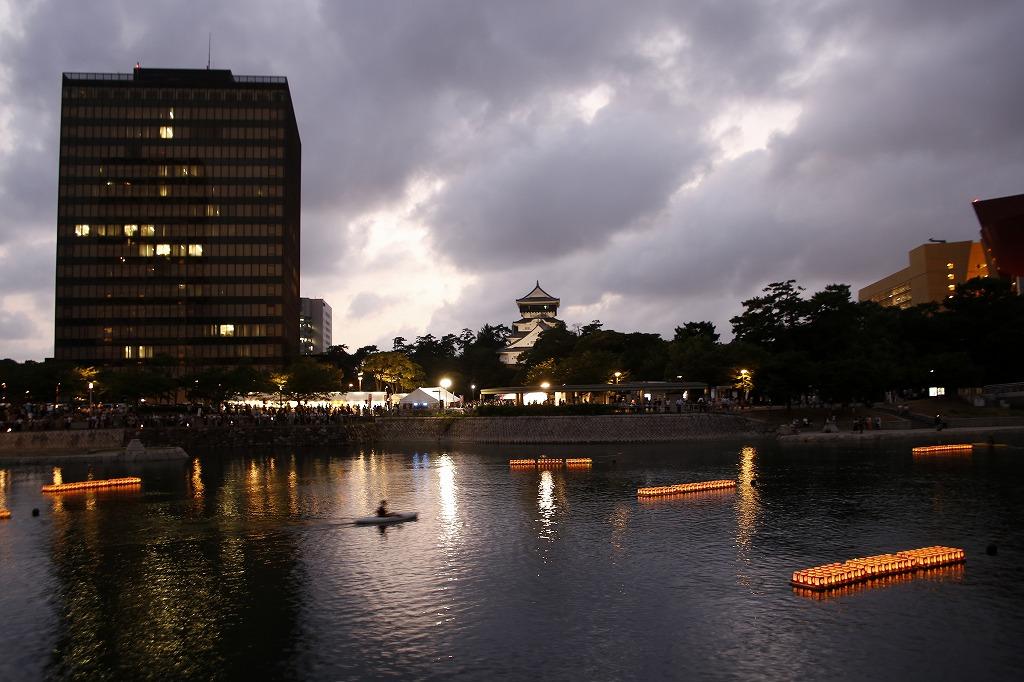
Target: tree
x=310, y=379
x=393, y=369
x=134, y=384
x=691, y=330
x=768, y=320
x=544, y=371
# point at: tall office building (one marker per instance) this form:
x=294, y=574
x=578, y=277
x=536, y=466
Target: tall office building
x=314, y=326
x=178, y=219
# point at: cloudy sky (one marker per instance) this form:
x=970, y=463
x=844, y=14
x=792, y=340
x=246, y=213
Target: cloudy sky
x=649, y=162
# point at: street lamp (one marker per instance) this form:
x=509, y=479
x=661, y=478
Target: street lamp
x=360, y=377
x=617, y=375
x=90, y=396
x=472, y=387
x=445, y=384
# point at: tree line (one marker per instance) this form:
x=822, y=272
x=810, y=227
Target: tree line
x=791, y=345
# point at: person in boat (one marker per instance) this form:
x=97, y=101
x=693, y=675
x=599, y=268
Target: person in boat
x=382, y=510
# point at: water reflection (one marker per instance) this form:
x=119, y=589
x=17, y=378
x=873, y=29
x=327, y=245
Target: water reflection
x=197, y=481
x=747, y=512
x=501, y=576
x=620, y=523
x=546, y=504
x=447, y=491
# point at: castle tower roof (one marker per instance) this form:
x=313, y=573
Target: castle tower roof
x=538, y=295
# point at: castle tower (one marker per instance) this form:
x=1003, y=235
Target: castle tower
x=537, y=312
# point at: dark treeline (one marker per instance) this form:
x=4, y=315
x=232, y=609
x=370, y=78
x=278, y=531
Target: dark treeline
x=791, y=344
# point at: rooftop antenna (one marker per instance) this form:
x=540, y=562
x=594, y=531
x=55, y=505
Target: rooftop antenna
x=209, y=49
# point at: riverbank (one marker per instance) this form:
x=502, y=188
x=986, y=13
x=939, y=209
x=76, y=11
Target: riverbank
x=135, y=451
x=642, y=428
x=966, y=434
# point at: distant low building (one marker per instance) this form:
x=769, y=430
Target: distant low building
x=314, y=326
x=537, y=311
x=931, y=277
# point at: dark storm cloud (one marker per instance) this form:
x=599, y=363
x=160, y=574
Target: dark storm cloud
x=27, y=267
x=15, y=327
x=367, y=303
x=566, y=195
x=903, y=112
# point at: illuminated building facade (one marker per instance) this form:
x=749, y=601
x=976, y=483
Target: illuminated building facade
x=178, y=219
x=1002, y=234
x=932, y=275
x=314, y=326
x=537, y=312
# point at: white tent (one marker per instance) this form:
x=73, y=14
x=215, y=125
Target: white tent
x=427, y=397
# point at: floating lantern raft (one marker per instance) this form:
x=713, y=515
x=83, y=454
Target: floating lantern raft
x=855, y=570
x=551, y=462
x=125, y=482
x=932, y=449
x=679, y=488
x=953, y=571
x=5, y=513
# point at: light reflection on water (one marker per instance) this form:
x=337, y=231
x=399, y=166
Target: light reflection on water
x=246, y=566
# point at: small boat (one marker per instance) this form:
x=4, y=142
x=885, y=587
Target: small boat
x=395, y=517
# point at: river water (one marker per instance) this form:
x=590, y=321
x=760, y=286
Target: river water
x=247, y=566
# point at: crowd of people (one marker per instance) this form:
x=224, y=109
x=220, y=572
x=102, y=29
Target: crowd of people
x=48, y=417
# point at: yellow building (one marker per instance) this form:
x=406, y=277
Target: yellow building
x=934, y=271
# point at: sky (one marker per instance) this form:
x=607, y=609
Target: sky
x=650, y=162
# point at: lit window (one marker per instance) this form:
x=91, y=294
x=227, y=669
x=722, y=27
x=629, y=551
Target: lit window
x=226, y=330
x=145, y=250
x=212, y=210
x=147, y=230
x=170, y=113
x=164, y=171
x=136, y=352
x=131, y=230
x=164, y=190
x=163, y=249
x=949, y=266
x=167, y=132
x=195, y=249
x=949, y=276
x=951, y=287
x=81, y=230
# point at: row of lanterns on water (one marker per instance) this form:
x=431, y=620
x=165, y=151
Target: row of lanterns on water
x=833, y=575
x=679, y=488
x=932, y=449
x=127, y=481
x=552, y=462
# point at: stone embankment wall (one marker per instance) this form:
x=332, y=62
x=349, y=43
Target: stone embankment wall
x=569, y=429
x=207, y=438
x=18, y=442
